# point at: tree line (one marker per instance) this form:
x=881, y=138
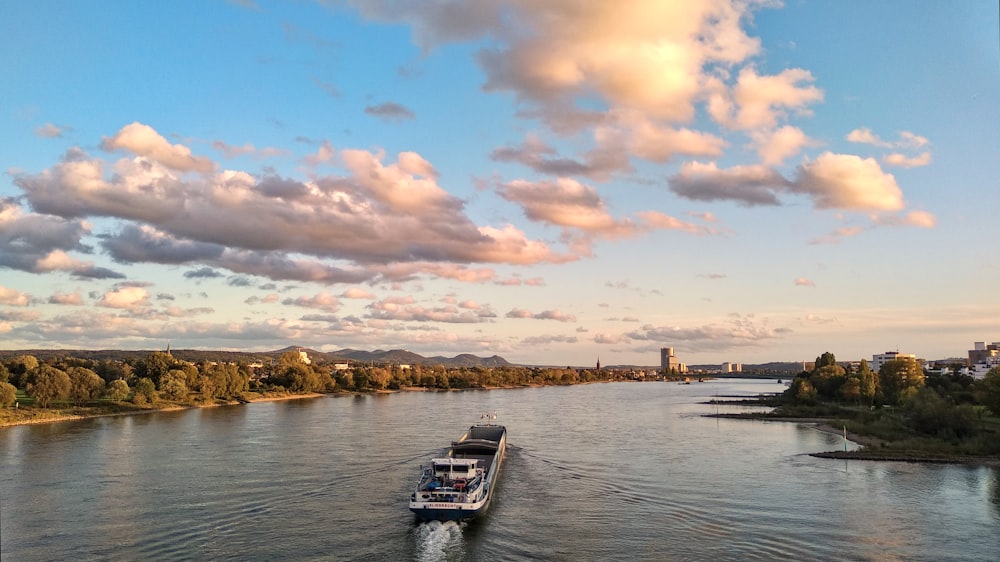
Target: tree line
x=948, y=406
x=159, y=376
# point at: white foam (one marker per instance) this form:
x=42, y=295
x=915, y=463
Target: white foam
x=438, y=541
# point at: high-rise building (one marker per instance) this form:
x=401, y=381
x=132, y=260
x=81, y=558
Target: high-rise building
x=668, y=361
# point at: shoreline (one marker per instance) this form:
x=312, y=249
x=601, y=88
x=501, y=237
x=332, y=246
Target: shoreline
x=871, y=447
x=140, y=411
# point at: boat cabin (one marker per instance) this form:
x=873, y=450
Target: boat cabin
x=448, y=468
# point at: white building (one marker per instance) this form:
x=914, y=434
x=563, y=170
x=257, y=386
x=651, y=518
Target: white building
x=728, y=367
x=883, y=358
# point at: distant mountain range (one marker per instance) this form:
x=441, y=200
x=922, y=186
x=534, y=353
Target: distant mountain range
x=395, y=356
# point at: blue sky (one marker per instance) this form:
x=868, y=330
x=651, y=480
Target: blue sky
x=551, y=182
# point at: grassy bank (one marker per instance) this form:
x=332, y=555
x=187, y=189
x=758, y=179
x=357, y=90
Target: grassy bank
x=885, y=434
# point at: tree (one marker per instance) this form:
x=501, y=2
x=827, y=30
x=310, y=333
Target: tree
x=868, y=381
x=19, y=368
x=86, y=385
x=118, y=390
x=46, y=383
x=174, y=384
x=4, y=373
x=8, y=394
x=899, y=378
x=144, y=391
x=988, y=391
x=154, y=366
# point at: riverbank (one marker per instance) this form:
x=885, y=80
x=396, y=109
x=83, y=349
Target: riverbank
x=30, y=415
x=872, y=448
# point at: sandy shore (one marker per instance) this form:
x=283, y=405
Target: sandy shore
x=44, y=416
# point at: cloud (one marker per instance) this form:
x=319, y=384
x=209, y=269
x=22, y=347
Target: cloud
x=775, y=146
x=126, y=297
x=547, y=340
x=761, y=101
x=357, y=293
x=832, y=181
x=404, y=310
x=322, y=155
x=921, y=219
x=907, y=139
x=347, y=228
x=321, y=301
x=40, y=243
x=837, y=235
x=74, y=299
x=544, y=315
x=390, y=111
x=13, y=297
x=248, y=149
x=740, y=331
x=904, y=161
x=49, y=131
x=143, y=140
x=845, y=181
x=203, y=273
x=747, y=185
x=803, y=282
x=567, y=203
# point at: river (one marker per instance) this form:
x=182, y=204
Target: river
x=616, y=471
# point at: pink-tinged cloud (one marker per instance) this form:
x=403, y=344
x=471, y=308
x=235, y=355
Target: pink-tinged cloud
x=544, y=315
x=131, y=298
x=564, y=202
x=920, y=219
x=903, y=161
x=845, y=181
x=803, y=282
x=775, y=146
x=143, y=140
x=405, y=312
x=832, y=181
x=323, y=154
x=71, y=299
x=837, y=235
x=379, y=215
x=657, y=220
x=737, y=332
x=907, y=139
x=49, y=131
x=761, y=101
x=357, y=293
x=248, y=149
x=12, y=297
x=320, y=301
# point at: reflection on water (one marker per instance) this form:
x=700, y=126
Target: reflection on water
x=597, y=472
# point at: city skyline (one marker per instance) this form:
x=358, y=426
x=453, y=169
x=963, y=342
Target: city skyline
x=745, y=182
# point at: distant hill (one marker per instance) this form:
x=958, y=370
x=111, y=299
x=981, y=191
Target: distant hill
x=395, y=356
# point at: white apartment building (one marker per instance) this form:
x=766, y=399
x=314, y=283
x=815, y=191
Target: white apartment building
x=883, y=358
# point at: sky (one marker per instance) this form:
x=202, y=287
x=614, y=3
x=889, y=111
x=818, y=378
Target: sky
x=554, y=182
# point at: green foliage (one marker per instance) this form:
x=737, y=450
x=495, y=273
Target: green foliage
x=896, y=377
x=154, y=366
x=86, y=385
x=46, y=383
x=173, y=385
x=988, y=391
x=930, y=414
x=8, y=394
x=825, y=360
x=118, y=390
x=144, y=392
x=868, y=383
x=4, y=373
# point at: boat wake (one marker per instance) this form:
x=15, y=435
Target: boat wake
x=438, y=540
